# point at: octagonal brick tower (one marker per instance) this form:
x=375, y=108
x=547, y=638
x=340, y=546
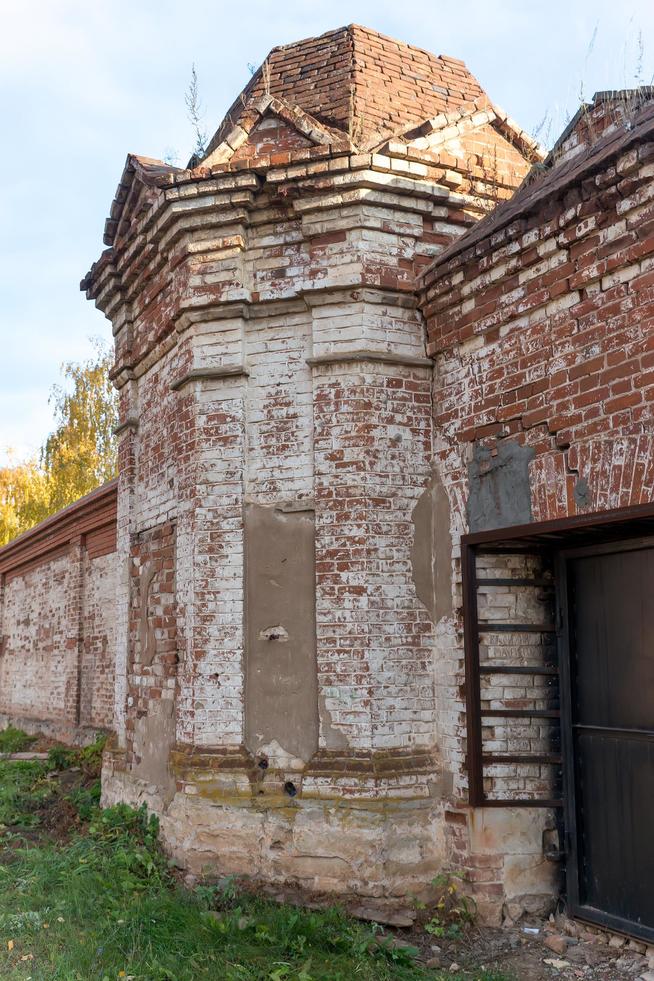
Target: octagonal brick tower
x=285, y=544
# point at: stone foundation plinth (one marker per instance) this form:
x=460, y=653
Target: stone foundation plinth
x=385, y=840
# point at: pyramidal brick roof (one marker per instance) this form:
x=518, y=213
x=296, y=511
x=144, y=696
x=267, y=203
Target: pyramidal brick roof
x=349, y=90
x=360, y=82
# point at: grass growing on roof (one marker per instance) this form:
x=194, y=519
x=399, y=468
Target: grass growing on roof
x=102, y=904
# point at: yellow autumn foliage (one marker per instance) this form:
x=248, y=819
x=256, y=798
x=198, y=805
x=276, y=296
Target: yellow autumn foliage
x=78, y=456
x=24, y=498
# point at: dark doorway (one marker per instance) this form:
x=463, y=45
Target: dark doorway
x=603, y=568
x=607, y=692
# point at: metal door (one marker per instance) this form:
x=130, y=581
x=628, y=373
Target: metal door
x=607, y=607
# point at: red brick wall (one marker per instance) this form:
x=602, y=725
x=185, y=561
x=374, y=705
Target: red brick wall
x=98, y=630
x=38, y=673
x=271, y=136
x=373, y=446
x=545, y=334
x=57, y=621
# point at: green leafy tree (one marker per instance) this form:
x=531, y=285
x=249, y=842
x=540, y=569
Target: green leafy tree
x=81, y=452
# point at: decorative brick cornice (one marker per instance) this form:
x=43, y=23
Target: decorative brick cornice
x=206, y=374
x=382, y=357
x=130, y=423
x=454, y=124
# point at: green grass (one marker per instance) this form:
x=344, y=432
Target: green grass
x=24, y=787
x=102, y=900
x=15, y=740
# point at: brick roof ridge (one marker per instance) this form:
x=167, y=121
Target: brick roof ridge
x=405, y=44
x=314, y=37
x=546, y=180
x=355, y=27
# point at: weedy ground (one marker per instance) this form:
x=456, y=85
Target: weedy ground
x=15, y=740
x=87, y=895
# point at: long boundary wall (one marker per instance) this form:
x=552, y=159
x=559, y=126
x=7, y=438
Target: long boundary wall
x=57, y=621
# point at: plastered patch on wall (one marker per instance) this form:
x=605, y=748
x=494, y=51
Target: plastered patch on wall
x=499, y=494
x=154, y=737
x=431, y=552
x=582, y=494
x=146, y=630
x=281, y=687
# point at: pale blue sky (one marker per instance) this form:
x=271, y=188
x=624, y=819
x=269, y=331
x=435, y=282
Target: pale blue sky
x=82, y=82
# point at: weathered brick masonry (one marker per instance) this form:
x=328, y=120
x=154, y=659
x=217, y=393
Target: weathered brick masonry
x=276, y=447
x=541, y=324
x=57, y=621
x=329, y=369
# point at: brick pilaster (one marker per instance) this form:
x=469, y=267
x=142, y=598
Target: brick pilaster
x=74, y=613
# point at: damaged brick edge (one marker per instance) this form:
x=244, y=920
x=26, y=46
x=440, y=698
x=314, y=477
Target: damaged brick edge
x=206, y=374
x=383, y=357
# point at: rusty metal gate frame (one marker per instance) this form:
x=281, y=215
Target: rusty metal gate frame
x=473, y=627
x=558, y=539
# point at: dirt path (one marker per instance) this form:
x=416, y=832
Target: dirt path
x=563, y=949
